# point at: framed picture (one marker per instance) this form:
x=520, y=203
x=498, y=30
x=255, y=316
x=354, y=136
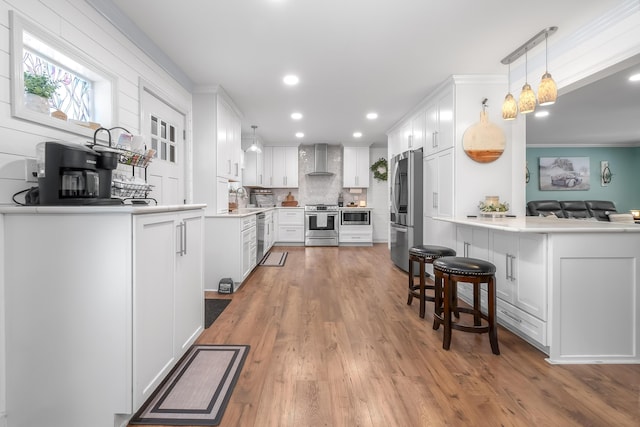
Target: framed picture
x=564, y=173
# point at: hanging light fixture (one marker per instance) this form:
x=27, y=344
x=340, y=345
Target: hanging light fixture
x=527, y=100
x=254, y=144
x=509, y=106
x=547, y=91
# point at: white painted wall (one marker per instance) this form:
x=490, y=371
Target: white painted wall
x=78, y=24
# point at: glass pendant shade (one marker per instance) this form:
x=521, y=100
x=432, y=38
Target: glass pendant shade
x=548, y=91
x=509, y=107
x=527, y=101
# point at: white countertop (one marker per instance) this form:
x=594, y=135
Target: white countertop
x=534, y=224
x=354, y=208
x=126, y=209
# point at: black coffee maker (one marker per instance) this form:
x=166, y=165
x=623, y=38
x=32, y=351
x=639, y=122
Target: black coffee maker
x=73, y=174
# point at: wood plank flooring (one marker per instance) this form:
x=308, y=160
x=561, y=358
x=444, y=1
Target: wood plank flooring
x=333, y=343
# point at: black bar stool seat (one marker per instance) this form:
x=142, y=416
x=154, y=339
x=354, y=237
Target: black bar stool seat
x=424, y=254
x=448, y=271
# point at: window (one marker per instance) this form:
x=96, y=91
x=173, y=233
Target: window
x=163, y=139
x=85, y=92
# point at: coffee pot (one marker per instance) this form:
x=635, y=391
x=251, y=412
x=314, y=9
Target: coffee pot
x=73, y=174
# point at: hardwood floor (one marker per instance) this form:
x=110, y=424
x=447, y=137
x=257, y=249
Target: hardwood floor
x=333, y=343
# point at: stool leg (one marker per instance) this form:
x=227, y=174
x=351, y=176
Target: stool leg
x=437, y=303
x=454, y=302
x=448, y=285
x=493, y=327
x=476, y=304
x=410, y=299
x=422, y=290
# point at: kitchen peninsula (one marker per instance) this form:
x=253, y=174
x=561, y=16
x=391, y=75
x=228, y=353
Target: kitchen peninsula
x=569, y=287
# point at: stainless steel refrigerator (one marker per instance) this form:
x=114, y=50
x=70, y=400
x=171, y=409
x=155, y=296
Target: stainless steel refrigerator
x=406, y=205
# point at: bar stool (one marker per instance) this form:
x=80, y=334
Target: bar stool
x=448, y=271
x=424, y=254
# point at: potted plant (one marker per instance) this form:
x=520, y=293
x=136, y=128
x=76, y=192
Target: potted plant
x=38, y=89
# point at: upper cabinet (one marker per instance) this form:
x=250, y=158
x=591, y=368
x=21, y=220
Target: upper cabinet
x=283, y=167
x=229, y=141
x=253, y=169
x=438, y=133
x=217, y=152
x=356, y=167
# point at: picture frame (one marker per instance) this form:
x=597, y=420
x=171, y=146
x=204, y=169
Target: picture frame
x=564, y=173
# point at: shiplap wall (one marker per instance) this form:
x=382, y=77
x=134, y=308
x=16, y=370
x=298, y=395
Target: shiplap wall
x=79, y=25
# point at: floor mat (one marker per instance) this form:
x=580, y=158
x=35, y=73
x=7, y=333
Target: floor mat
x=274, y=259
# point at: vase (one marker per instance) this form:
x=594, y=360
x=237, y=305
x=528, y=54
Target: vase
x=36, y=103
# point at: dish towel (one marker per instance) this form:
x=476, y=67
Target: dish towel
x=321, y=220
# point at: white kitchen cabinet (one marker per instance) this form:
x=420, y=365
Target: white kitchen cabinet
x=253, y=171
x=521, y=277
x=437, y=173
x=230, y=249
x=394, y=142
x=168, y=295
x=521, y=270
x=267, y=166
x=111, y=301
x=284, y=167
x=270, y=232
x=439, y=130
x=418, y=127
x=290, y=225
x=222, y=195
x=217, y=152
x=359, y=235
x=356, y=167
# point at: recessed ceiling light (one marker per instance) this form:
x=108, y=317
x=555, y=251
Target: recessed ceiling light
x=372, y=116
x=291, y=80
x=635, y=78
x=296, y=116
x=542, y=113
x=299, y=135
x=357, y=134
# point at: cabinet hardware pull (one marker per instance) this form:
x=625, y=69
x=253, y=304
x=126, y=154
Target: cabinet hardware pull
x=506, y=267
x=181, y=238
x=435, y=139
x=513, y=277
x=184, y=224
x=511, y=316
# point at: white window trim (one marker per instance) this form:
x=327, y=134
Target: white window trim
x=105, y=90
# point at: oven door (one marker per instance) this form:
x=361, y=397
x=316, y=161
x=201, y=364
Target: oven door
x=321, y=229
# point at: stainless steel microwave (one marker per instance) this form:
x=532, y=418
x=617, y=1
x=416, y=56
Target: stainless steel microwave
x=355, y=216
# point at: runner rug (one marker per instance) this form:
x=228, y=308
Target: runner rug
x=197, y=390
x=274, y=259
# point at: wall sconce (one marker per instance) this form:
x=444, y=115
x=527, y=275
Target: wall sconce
x=527, y=100
x=605, y=173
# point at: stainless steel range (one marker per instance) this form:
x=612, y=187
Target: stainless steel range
x=321, y=225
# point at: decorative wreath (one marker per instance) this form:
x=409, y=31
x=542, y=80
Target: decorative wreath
x=380, y=169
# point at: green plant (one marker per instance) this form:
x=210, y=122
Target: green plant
x=500, y=207
x=40, y=85
x=379, y=169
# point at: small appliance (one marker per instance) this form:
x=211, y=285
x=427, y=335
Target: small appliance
x=73, y=174
x=225, y=286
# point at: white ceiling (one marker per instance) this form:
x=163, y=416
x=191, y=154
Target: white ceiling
x=352, y=56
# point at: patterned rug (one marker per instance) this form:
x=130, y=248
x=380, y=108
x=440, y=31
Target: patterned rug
x=197, y=390
x=274, y=259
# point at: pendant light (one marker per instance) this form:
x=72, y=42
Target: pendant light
x=547, y=91
x=527, y=101
x=509, y=106
x=254, y=144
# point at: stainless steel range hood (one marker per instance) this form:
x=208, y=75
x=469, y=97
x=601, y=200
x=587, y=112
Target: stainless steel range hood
x=321, y=161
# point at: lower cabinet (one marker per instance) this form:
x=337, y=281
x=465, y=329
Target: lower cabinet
x=356, y=235
x=114, y=302
x=290, y=227
x=521, y=277
x=167, y=295
x=230, y=244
